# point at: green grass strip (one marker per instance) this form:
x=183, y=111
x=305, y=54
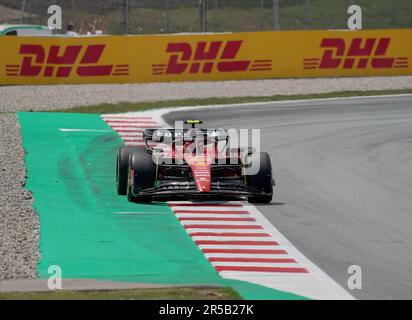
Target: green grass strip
x=142, y=106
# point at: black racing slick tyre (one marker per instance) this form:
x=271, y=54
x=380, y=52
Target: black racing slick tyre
x=122, y=166
x=263, y=180
x=141, y=176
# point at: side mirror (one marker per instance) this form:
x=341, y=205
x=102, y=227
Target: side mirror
x=250, y=151
x=157, y=138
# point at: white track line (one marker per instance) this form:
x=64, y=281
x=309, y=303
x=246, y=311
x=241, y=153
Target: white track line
x=318, y=286
x=260, y=264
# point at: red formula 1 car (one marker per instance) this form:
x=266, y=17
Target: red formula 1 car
x=192, y=163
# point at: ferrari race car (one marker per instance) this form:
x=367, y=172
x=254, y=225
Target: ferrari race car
x=192, y=163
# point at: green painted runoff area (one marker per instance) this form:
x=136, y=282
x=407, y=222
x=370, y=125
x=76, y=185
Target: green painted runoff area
x=90, y=231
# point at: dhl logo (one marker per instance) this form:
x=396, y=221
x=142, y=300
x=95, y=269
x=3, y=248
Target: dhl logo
x=360, y=54
x=205, y=57
x=59, y=61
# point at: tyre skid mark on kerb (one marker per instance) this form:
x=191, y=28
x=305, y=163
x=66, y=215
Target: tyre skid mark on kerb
x=235, y=237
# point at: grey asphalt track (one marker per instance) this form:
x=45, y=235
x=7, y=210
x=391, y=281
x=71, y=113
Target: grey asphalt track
x=343, y=171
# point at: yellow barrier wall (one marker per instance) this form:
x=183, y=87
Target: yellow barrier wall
x=234, y=56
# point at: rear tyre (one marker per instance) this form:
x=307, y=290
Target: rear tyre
x=122, y=166
x=262, y=180
x=141, y=167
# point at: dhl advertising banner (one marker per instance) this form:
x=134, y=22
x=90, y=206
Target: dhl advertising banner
x=229, y=56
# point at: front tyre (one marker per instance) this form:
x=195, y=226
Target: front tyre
x=140, y=176
x=122, y=165
x=263, y=180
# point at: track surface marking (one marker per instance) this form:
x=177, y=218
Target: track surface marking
x=235, y=237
